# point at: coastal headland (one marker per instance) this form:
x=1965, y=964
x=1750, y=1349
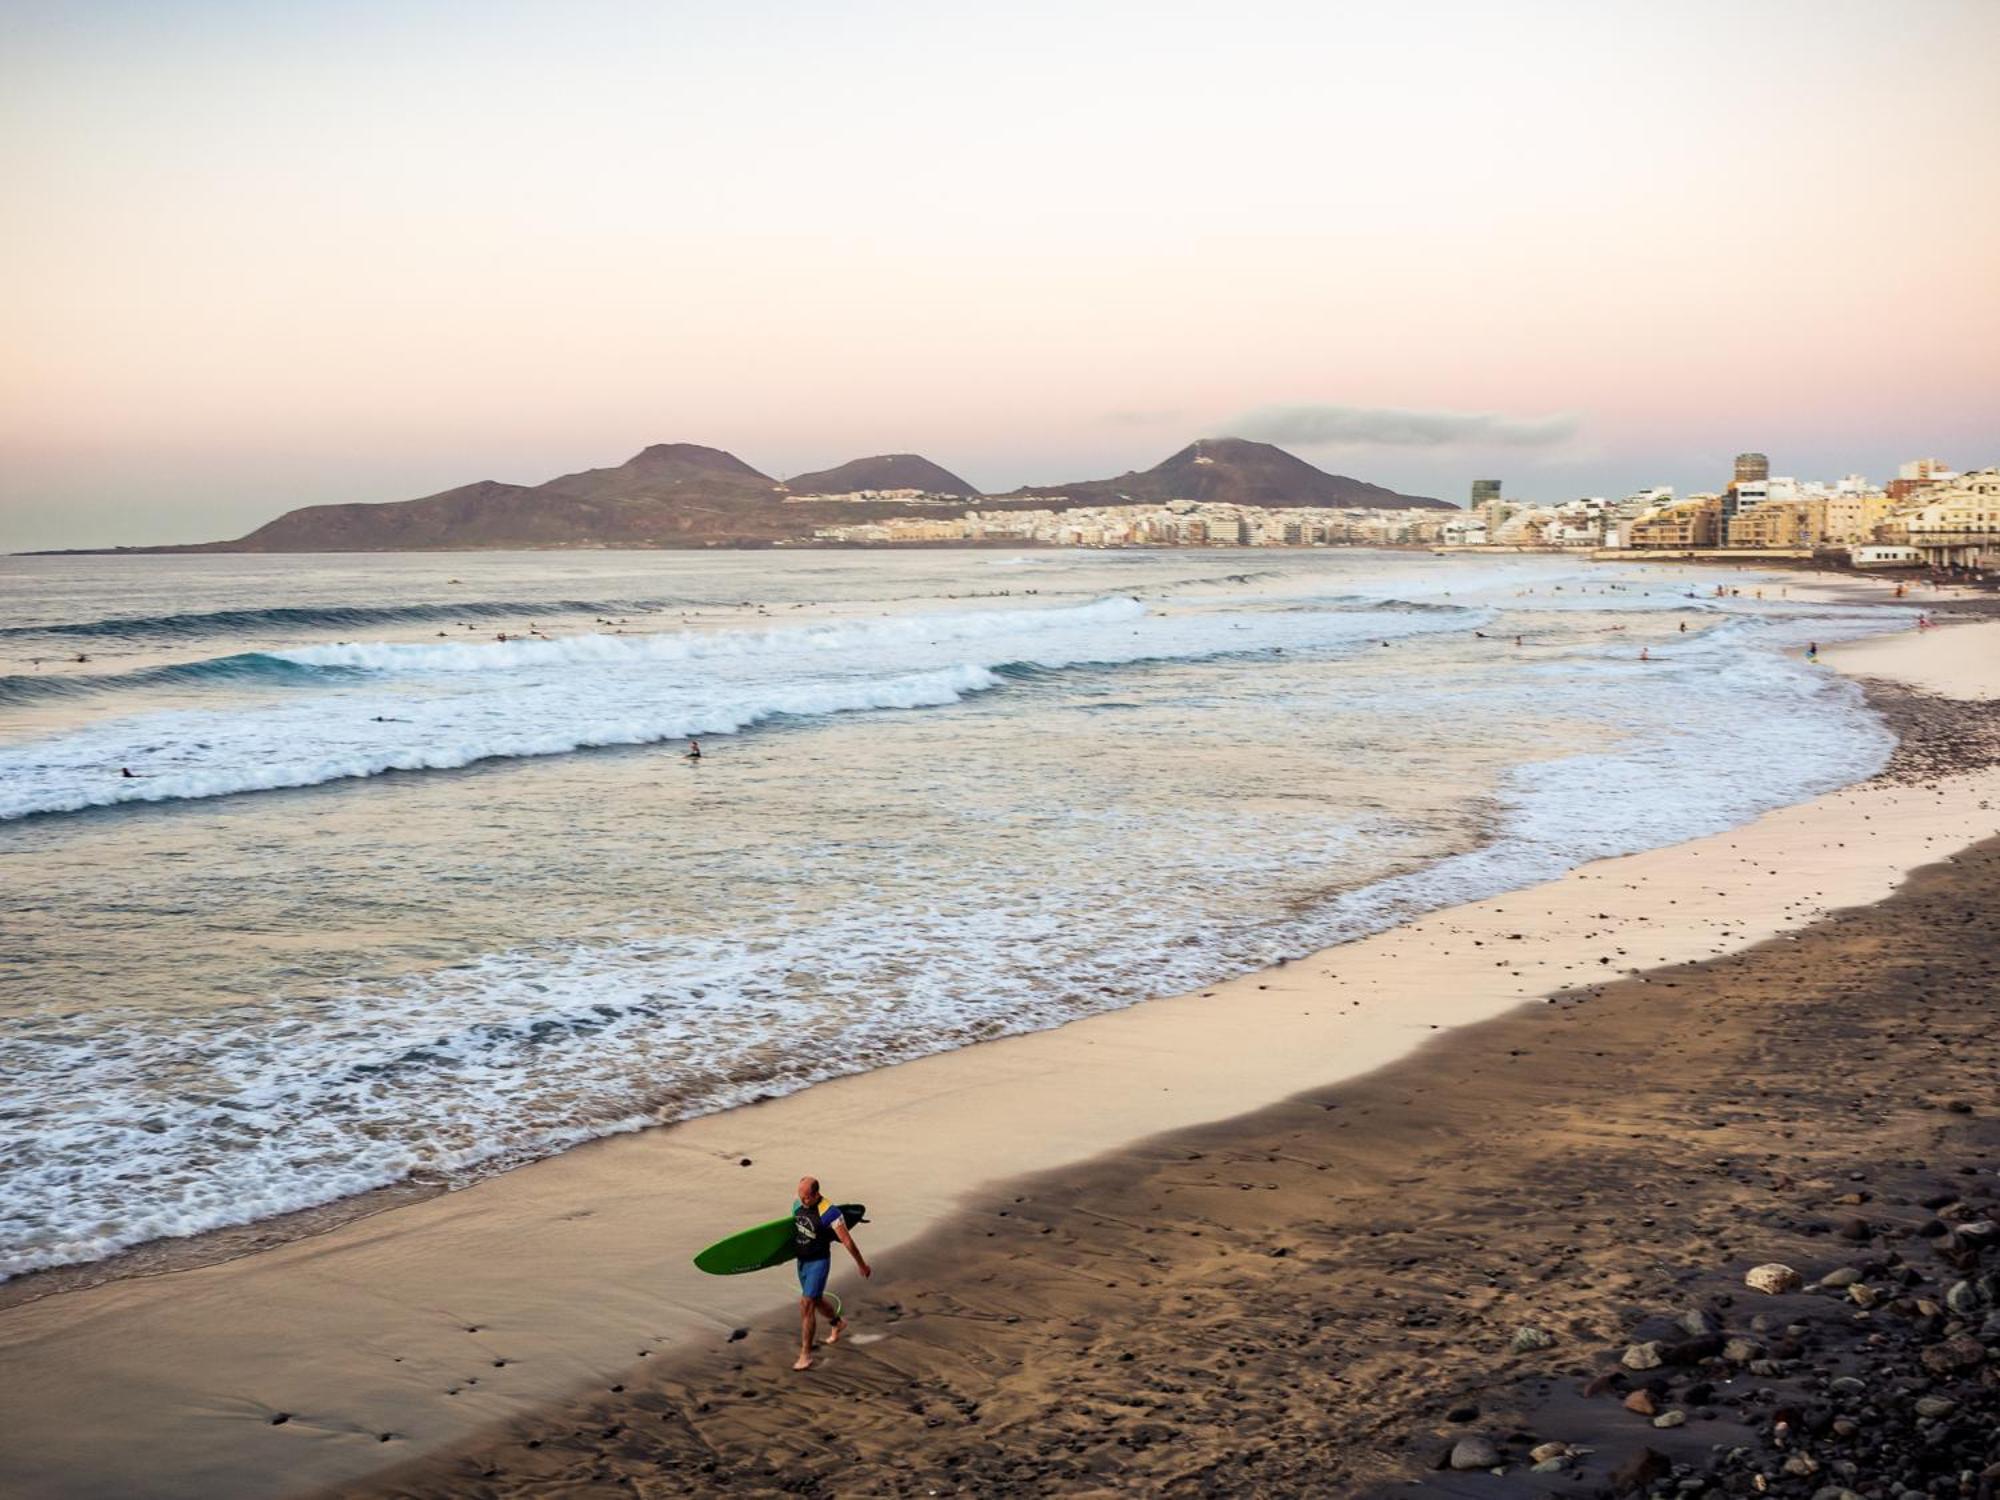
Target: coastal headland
x=1565, y=1108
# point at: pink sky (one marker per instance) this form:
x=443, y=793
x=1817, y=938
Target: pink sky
x=267, y=256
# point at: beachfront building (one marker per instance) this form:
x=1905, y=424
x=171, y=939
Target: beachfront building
x=1177, y=523
x=1877, y=556
x=1854, y=516
x=1927, y=471
x=1919, y=475
x=1522, y=526
x=1620, y=514
x=1693, y=522
x=1464, y=531
x=1954, y=524
x=1780, y=523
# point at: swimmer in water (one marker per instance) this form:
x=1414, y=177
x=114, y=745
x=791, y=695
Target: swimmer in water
x=694, y=750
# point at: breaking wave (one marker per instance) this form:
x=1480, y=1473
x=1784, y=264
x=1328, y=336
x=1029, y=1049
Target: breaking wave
x=318, y=617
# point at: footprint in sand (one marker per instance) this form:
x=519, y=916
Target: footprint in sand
x=864, y=1338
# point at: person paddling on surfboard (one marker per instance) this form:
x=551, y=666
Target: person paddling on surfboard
x=816, y=1224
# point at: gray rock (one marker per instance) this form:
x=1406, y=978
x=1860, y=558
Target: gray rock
x=1551, y=1465
x=1543, y=1452
x=1848, y=1385
x=1841, y=1276
x=1771, y=1279
x=1474, y=1453
x=1528, y=1338
x=1695, y=1322
x=1933, y=1407
x=1963, y=1298
x=1863, y=1295
x=1644, y=1356
x=1670, y=1418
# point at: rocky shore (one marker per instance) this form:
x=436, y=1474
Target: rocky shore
x=1524, y=1261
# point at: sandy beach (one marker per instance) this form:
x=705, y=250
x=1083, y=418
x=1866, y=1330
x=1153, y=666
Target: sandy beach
x=1238, y=668
x=1087, y=1282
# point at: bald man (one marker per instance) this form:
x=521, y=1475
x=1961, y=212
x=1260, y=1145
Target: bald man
x=816, y=1224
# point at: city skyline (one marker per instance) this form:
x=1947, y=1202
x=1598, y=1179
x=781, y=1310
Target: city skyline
x=363, y=254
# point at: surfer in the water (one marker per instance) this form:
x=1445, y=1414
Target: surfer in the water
x=816, y=1224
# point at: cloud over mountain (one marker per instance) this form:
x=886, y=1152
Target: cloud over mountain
x=1311, y=425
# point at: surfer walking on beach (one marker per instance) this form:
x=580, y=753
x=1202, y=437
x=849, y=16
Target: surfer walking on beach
x=816, y=1224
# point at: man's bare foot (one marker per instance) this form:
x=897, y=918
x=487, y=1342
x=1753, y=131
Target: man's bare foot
x=803, y=1362
x=838, y=1329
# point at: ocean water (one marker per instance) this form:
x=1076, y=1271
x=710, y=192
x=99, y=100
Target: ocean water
x=386, y=894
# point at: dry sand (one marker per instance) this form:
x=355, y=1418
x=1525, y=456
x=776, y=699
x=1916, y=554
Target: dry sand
x=1956, y=660
x=410, y=1332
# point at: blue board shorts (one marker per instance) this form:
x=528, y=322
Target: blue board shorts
x=812, y=1276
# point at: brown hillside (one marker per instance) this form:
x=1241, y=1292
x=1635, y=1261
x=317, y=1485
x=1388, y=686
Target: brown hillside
x=886, y=471
x=686, y=495
x=1235, y=471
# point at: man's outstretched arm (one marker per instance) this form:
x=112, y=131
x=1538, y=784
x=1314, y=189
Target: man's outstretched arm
x=840, y=1231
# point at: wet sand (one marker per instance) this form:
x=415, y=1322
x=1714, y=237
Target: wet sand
x=411, y=1334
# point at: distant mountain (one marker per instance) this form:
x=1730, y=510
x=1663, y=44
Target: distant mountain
x=685, y=495
x=886, y=471
x=671, y=494
x=1234, y=471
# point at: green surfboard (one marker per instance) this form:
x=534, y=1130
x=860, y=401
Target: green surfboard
x=763, y=1247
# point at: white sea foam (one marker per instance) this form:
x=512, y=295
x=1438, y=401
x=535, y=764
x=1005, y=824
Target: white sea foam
x=431, y=708
x=857, y=639
x=1027, y=901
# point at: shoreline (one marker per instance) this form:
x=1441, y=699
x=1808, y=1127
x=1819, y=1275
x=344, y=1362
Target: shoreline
x=232, y=1241
x=1063, y=1333
x=1512, y=1264
x=567, y=1271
